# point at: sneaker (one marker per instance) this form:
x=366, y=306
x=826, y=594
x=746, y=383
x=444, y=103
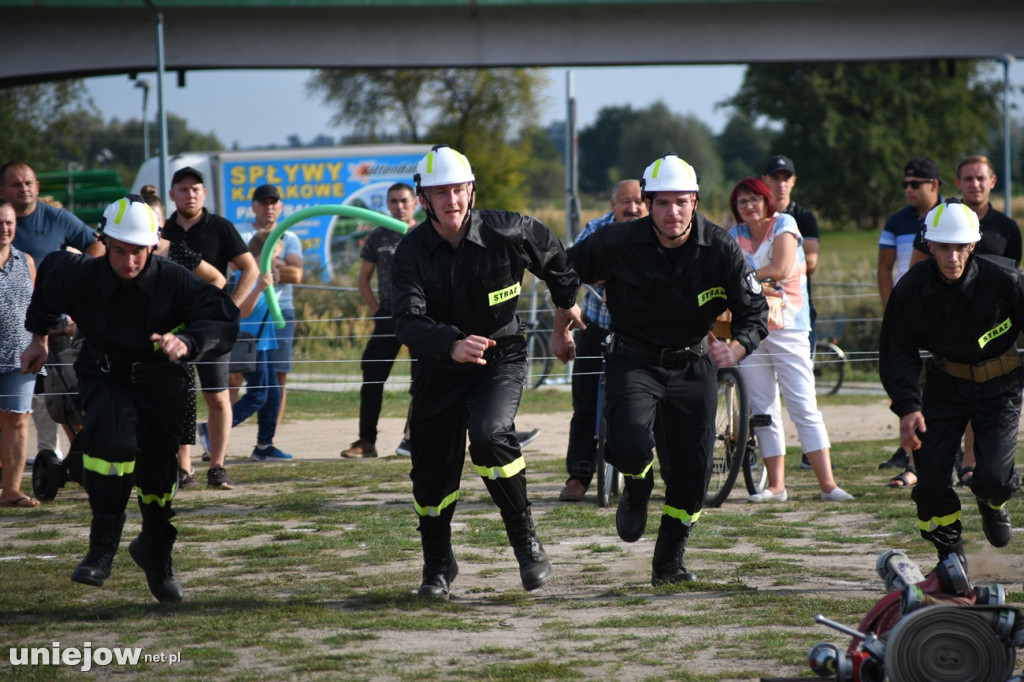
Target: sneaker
x=404, y=448
x=203, y=432
x=218, y=479
x=996, y=523
x=804, y=462
x=899, y=460
x=768, y=496
x=186, y=479
x=837, y=494
x=360, y=449
x=269, y=452
x=525, y=437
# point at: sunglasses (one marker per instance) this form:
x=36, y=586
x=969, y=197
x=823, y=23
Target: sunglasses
x=914, y=184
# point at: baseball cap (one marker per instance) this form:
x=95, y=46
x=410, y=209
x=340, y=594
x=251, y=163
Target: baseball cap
x=922, y=167
x=265, y=192
x=779, y=163
x=185, y=172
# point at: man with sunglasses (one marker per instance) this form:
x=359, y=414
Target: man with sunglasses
x=920, y=183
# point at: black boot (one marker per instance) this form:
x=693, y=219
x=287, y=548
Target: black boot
x=995, y=522
x=154, y=558
x=945, y=550
x=534, y=567
x=668, y=553
x=439, y=568
x=631, y=516
x=104, y=538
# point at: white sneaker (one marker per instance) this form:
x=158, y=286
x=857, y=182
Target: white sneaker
x=768, y=496
x=836, y=495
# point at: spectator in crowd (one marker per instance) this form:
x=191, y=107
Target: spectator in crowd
x=267, y=209
x=772, y=245
x=18, y=274
x=261, y=390
x=383, y=346
x=217, y=241
x=626, y=204
x=921, y=180
x=42, y=229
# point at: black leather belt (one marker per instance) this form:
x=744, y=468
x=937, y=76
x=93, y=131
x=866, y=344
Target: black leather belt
x=666, y=357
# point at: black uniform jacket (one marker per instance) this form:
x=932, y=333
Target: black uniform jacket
x=117, y=317
x=974, y=319
x=672, y=301
x=440, y=294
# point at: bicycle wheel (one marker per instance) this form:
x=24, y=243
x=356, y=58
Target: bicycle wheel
x=755, y=473
x=731, y=426
x=538, y=359
x=829, y=368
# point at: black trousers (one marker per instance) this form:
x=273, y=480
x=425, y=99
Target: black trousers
x=586, y=378
x=948, y=403
x=447, y=401
x=378, y=359
x=648, y=405
x=129, y=438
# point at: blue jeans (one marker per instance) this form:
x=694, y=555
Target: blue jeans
x=263, y=395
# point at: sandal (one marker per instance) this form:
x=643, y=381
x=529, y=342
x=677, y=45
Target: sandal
x=964, y=476
x=24, y=502
x=901, y=481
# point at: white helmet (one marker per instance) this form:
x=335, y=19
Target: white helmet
x=953, y=223
x=442, y=166
x=130, y=220
x=669, y=174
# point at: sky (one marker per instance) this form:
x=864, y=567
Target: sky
x=256, y=108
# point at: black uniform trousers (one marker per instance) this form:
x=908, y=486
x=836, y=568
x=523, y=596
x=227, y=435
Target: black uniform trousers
x=948, y=403
x=378, y=359
x=586, y=378
x=446, y=401
x=674, y=408
x=130, y=437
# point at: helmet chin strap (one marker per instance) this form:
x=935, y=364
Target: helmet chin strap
x=680, y=236
x=429, y=210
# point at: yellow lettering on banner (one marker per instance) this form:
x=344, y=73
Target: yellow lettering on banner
x=714, y=292
x=238, y=175
x=238, y=194
x=334, y=168
x=323, y=190
x=996, y=332
x=256, y=174
x=291, y=170
x=339, y=189
x=313, y=171
x=273, y=177
x=508, y=293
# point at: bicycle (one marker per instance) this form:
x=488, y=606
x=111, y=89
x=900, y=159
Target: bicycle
x=609, y=480
x=829, y=366
x=735, y=446
x=539, y=321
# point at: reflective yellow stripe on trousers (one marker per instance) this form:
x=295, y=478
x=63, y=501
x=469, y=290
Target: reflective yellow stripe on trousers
x=507, y=471
x=938, y=521
x=105, y=468
x=681, y=514
x=436, y=511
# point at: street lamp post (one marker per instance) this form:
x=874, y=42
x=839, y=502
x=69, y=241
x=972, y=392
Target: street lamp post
x=145, y=85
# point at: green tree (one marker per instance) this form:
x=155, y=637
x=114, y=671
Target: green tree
x=599, y=149
x=849, y=128
x=476, y=111
x=744, y=147
x=37, y=122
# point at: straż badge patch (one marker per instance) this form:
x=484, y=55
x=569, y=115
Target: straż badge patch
x=753, y=283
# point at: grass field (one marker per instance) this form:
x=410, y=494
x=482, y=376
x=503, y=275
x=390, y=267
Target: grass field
x=307, y=571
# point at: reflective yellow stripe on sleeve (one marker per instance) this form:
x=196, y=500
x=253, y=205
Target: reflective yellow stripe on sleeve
x=938, y=521
x=436, y=511
x=507, y=471
x=681, y=514
x=105, y=468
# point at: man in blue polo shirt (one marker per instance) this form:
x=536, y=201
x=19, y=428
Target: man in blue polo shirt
x=921, y=180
